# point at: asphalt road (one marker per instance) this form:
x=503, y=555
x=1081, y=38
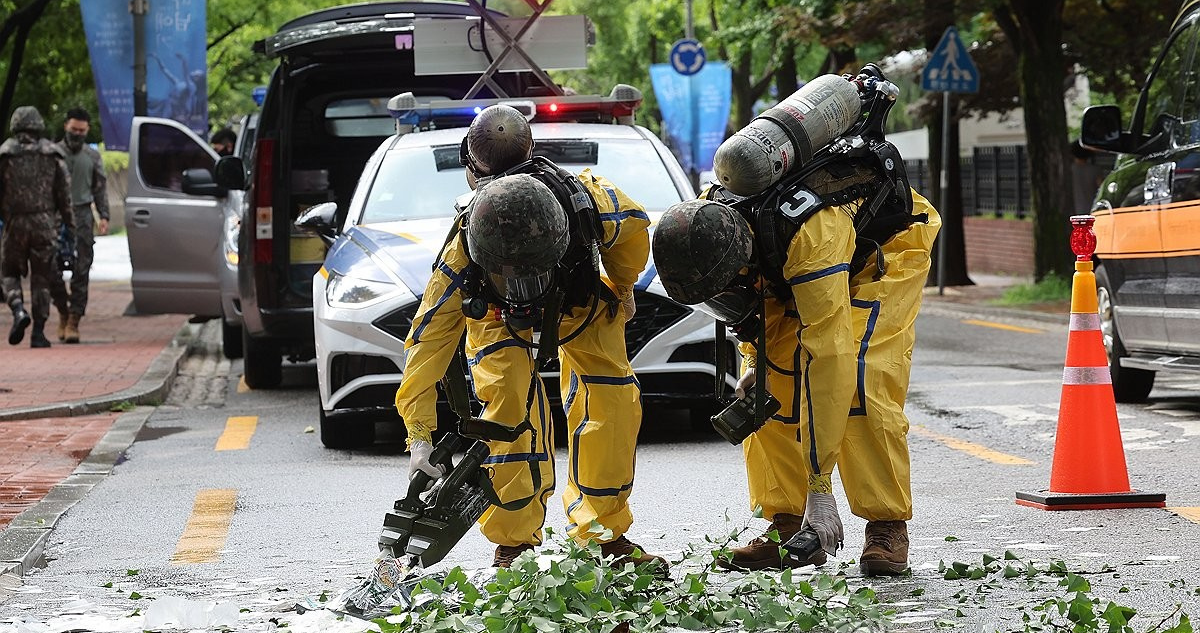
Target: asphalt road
x=301, y=520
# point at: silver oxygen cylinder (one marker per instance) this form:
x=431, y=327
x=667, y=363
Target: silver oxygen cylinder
x=787, y=135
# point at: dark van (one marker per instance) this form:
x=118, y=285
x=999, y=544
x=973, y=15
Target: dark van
x=1148, y=219
x=323, y=115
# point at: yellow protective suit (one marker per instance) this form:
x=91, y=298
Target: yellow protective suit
x=852, y=340
x=600, y=393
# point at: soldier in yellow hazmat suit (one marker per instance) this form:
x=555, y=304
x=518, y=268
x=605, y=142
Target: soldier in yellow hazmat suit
x=841, y=329
x=601, y=394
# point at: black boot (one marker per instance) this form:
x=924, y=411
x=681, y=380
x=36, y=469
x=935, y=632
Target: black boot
x=21, y=321
x=38, y=338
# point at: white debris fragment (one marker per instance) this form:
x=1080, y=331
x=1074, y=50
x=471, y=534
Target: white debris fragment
x=1082, y=529
x=1036, y=547
x=1162, y=559
x=189, y=614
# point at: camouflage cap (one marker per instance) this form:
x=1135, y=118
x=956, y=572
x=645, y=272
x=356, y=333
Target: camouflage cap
x=499, y=139
x=26, y=119
x=516, y=227
x=699, y=247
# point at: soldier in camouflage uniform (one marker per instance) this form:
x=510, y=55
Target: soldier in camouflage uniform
x=35, y=197
x=87, y=188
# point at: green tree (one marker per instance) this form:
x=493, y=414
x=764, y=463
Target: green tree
x=1035, y=29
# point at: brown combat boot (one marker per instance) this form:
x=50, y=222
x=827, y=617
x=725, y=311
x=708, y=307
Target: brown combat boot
x=506, y=554
x=624, y=551
x=63, y=317
x=763, y=553
x=885, y=552
x=71, y=332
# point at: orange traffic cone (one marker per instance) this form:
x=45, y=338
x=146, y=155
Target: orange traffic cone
x=1089, y=459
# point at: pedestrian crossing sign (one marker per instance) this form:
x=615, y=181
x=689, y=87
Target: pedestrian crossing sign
x=950, y=69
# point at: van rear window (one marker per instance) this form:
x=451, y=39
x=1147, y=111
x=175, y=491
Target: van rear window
x=358, y=118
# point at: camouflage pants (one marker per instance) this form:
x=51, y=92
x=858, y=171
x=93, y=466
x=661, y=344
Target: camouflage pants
x=85, y=240
x=28, y=246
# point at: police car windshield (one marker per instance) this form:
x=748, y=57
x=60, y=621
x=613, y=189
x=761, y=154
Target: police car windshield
x=418, y=183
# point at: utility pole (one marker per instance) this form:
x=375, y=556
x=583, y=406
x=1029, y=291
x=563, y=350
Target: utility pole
x=690, y=33
x=139, y=9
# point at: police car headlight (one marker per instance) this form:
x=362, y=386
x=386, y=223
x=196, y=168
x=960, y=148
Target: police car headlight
x=343, y=291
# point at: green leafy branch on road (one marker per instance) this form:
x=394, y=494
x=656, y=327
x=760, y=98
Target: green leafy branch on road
x=565, y=587
x=1076, y=612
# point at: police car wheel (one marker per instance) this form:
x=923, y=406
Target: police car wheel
x=346, y=432
x=1129, y=384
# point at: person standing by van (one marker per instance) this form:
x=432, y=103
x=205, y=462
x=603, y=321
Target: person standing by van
x=88, y=188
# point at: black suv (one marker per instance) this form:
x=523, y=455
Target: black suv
x=323, y=115
x=1148, y=219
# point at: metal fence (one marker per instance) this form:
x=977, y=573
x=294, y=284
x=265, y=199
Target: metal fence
x=995, y=179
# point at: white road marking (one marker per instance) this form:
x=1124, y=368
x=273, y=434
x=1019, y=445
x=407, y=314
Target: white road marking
x=1189, y=428
x=1018, y=414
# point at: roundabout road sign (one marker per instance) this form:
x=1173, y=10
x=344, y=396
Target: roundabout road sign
x=687, y=56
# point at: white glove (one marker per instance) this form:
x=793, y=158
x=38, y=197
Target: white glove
x=821, y=514
x=629, y=307
x=419, y=461
x=745, y=382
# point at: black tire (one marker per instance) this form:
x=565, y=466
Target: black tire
x=1129, y=384
x=346, y=432
x=262, y=363
x=231, y=340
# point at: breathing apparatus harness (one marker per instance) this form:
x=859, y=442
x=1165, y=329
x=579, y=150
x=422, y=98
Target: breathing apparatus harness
x=576, y=284
x=858, y=165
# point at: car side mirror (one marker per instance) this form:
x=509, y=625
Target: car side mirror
x=320, y=219
x=199, y=182
x=230, y=172
x=1101, y=129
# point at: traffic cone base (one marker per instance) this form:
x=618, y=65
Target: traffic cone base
x=1046, y=500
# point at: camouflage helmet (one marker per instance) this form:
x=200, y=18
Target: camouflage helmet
x=499, y=139
x=26, y=119
x=517, y=232
x=700, y=247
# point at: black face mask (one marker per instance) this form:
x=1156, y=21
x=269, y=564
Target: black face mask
x=75, y=141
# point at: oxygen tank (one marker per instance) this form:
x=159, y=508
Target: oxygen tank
x=787, y=135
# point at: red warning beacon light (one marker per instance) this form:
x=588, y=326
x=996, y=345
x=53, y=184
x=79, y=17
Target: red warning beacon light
x=1083, y=238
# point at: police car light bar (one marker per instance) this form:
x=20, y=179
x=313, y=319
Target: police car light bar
x=621, y=104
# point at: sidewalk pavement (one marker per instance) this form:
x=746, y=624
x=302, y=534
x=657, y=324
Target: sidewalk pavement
x=57, y=404
x=61, y=426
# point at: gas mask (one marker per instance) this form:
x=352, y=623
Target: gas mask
x=736, y=306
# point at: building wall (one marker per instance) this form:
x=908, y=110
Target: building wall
x=999, y=245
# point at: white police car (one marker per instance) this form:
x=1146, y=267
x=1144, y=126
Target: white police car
x=365, y=295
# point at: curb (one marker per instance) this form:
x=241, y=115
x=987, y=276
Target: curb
x=968, y=310
x=151, y=388
x=23, y=541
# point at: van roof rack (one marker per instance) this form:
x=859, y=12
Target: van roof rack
x=620, y=105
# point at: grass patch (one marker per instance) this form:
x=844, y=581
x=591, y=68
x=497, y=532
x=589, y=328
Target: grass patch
x=1050, y=288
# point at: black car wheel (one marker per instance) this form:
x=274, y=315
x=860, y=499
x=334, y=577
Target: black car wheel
x=1129, y=384
x=262, y=364
x=346, y=431
x=231, y=340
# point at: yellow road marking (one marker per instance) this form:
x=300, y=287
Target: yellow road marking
x=972, y=449
x=1003, y=326
x=207, y=528
x=1191, y=514
x=242, y=386
x=238, y=431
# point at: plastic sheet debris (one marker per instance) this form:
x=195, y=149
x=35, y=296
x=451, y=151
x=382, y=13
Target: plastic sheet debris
x=189, y=614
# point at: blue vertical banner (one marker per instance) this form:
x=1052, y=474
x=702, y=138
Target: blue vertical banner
x=695, y=110
x=176, y=64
